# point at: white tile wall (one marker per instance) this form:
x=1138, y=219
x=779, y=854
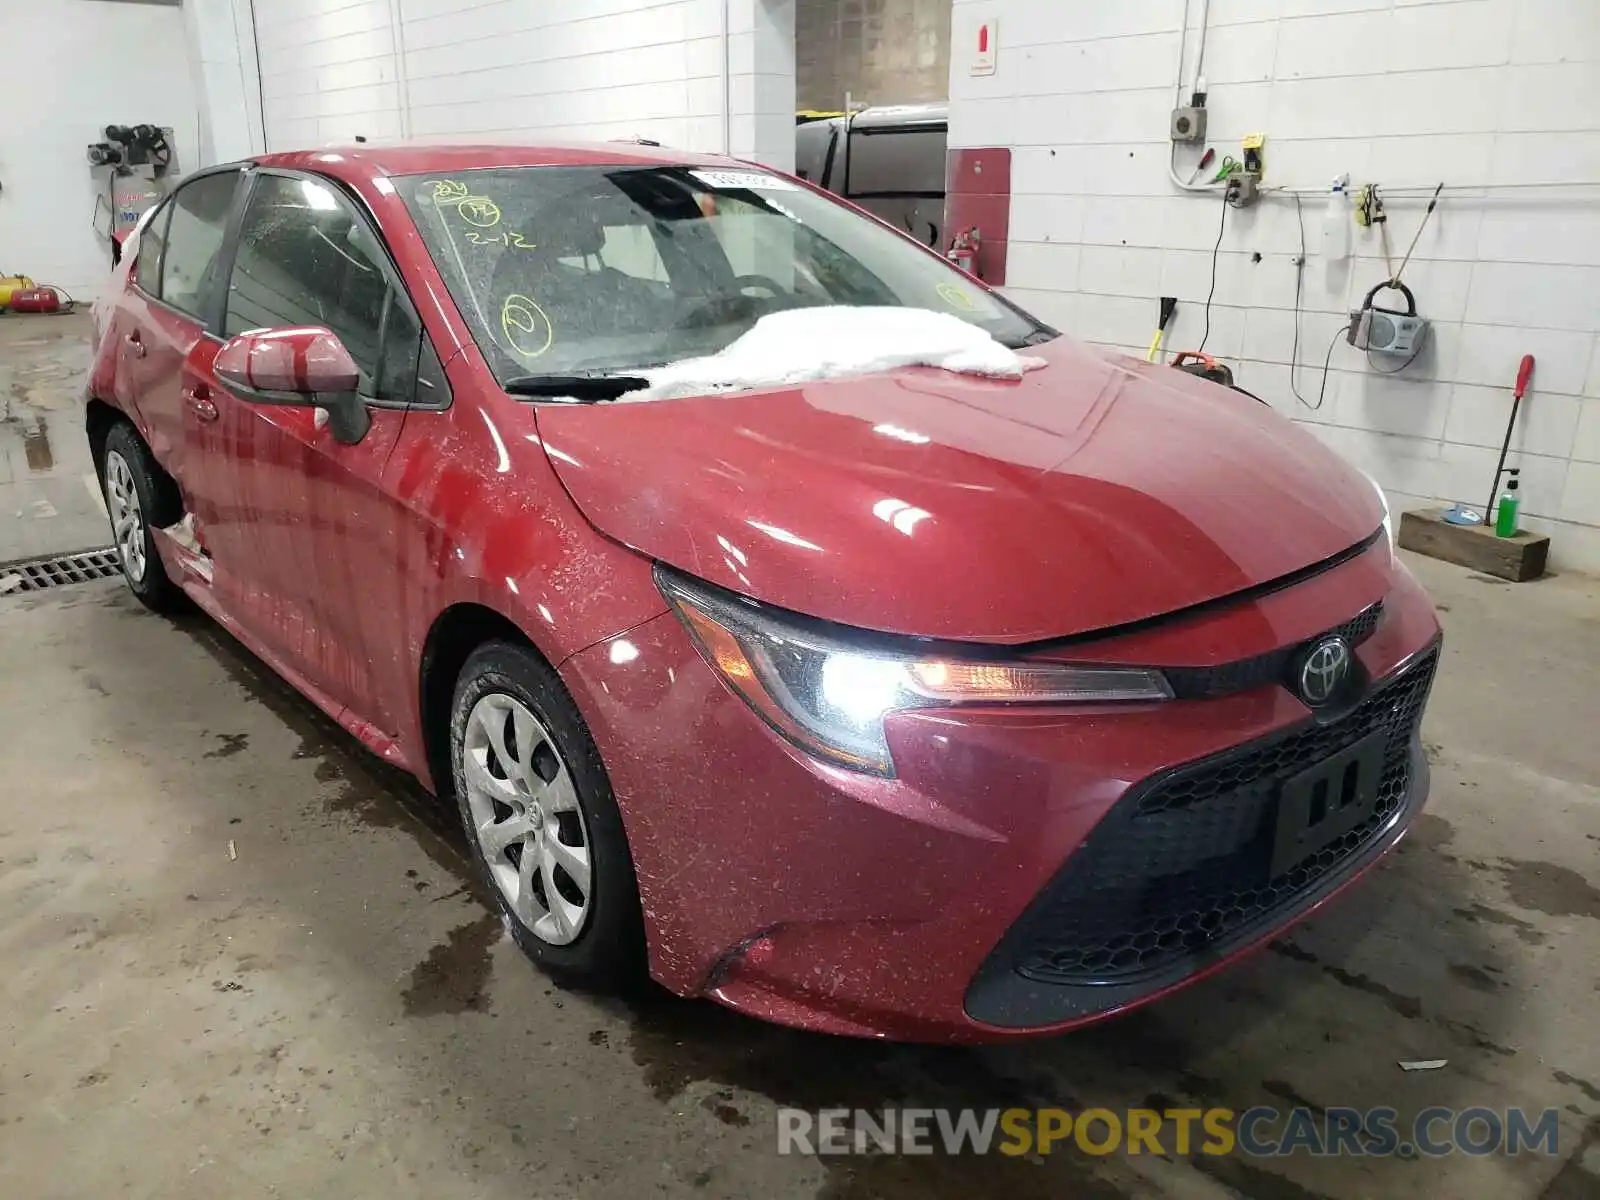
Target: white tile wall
x=454, y=70
x=1404, y=93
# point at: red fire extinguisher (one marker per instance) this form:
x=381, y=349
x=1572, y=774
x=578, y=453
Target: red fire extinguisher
x=964, y=250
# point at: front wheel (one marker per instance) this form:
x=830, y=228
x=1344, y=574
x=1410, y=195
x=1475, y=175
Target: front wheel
x=541, y=820
x=134, y=497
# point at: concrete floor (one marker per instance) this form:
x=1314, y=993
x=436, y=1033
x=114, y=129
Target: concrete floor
x=49, y=500
x=334, y=1012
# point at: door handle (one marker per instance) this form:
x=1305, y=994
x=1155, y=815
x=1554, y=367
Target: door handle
x=135, y=343
x=198, y=398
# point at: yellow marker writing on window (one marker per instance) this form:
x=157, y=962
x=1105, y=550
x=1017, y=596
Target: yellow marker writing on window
x=954, y=296
x=449, y=191
x=480, y=211
x=526, y=326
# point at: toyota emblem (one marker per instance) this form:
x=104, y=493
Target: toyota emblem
x=1324, y=669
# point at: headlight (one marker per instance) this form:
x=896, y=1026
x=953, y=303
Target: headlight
x=830, y=696
x=1388, y=519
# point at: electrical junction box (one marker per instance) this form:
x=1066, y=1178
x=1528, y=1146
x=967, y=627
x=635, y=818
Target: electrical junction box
x=1384, y=331
x=1189, y=124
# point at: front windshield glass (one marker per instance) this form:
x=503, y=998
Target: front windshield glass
x=615, y=268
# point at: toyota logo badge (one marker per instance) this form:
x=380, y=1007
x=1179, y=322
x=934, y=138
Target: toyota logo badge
x=1324, y=669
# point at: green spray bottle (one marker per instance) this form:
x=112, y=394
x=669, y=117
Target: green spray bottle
x=1505, y=521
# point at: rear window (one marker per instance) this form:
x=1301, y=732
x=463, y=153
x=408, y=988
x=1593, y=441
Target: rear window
x=896, y=162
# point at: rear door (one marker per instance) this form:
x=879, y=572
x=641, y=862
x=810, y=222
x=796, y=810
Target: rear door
x=164, y=319
x=305, y=535
x=121, y=344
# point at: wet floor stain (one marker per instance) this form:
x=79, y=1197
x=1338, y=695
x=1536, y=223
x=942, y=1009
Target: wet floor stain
x=1291, y=1096
x=1583, y=1085
x=1482, y=914
x=232, y=743
x=1430, y=831
x=1554, y=890
x=721, y=1106
x=368, y=790
x=1406, y=1006
x=1474, y=977
x=901, y=1177
x=1287, y=949
x=36, y=447
x=1247, y=1179
x=1580, y=1175
x=455, y=975
x=678, y=1044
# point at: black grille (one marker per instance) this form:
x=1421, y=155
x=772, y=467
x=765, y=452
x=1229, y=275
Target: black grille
x=1201, y=683
x=40, y=573
x=1178, y=867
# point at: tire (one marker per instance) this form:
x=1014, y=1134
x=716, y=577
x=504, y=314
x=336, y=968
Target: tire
x=136, y=495
x=554, y=796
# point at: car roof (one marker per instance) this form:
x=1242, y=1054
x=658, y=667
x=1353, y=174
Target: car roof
x=363, y=163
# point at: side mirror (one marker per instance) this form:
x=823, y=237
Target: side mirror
x=300, y=364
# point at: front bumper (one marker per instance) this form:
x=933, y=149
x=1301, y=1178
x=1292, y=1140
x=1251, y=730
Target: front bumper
x=1177, y=877
x=929, y=906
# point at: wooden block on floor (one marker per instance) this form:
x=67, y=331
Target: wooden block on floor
x=1476, y=546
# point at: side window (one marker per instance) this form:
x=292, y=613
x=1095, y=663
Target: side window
x=632, y=250
x=629, y=249
x=152, y=239
x=189, y=265
x=304, y=258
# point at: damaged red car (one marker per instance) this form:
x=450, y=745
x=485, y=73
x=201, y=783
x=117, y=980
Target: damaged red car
x=791, y=618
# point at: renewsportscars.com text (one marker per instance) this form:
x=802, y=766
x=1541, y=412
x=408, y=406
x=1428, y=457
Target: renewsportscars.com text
x=1260, y=1132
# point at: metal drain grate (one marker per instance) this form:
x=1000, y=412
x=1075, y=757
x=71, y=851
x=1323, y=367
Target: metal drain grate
x=37, y=574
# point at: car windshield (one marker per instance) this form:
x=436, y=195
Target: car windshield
x=562, y=270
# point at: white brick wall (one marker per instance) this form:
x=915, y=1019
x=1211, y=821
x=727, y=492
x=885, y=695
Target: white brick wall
x=466, y=70
x=1401, y=92
x=222, y=49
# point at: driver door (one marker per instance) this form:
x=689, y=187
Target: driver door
x=303, y=540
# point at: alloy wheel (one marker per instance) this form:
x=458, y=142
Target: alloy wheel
x=526, y=818
x=127, y=519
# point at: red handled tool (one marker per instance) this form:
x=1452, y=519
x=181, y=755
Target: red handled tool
x=1524, y=375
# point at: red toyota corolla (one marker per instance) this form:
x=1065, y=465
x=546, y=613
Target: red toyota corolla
x=878, y=699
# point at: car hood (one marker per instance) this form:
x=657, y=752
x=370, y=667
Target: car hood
x=1094, y=492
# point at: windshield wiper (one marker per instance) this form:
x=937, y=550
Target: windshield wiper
x=579, y=385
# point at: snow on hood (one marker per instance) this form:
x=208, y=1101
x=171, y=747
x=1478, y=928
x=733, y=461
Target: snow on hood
x=802, y=344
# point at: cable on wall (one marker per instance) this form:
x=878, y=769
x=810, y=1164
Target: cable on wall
x=261, y=83
x=401, y=76
x=1327, y=362
x=725, y=80
x=1222, y=224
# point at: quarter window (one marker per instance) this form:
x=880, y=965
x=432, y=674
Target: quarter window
x=190, y=266
x=152, y=238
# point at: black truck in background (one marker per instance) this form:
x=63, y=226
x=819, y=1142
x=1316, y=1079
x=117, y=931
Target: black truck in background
x=889, y=159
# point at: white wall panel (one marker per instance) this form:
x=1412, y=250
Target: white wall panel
x=74, y=75
x=1476, y=93
x=515, y=70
